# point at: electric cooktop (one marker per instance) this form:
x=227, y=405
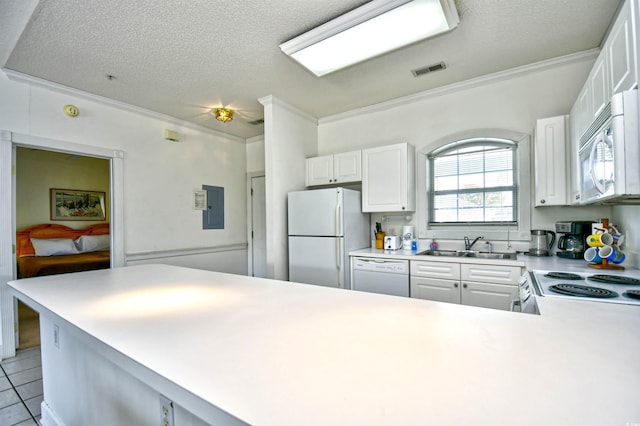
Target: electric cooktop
x=619, y=287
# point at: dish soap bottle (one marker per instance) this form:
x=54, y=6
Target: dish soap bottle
x=433, y=245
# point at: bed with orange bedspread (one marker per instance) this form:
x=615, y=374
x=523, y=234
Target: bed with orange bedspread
x=85, y=249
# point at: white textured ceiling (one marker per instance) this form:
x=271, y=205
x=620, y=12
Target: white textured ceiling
x=183, y=57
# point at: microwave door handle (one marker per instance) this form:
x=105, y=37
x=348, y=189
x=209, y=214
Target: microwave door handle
x=592, y=156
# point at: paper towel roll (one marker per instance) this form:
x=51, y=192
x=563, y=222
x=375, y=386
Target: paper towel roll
x=407, y=237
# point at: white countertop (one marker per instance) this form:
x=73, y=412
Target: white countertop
x=413, y=255
x=545, y=263
x=289, y=354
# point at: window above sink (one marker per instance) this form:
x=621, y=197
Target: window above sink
x=514, y=228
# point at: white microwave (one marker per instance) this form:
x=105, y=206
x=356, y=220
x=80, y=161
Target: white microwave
x=609, y=154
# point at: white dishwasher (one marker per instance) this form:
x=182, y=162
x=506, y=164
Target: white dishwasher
x=385, y=276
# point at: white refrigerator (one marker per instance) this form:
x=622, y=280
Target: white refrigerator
x=324, y=226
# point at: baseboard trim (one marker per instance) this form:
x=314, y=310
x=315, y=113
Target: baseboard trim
x=48, y=417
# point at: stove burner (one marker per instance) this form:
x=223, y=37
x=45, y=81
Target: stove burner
x=614, y=279
x=564, y=275
x=634, y=294
x=583, y=291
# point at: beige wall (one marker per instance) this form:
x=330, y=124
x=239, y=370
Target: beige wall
x=38, y=171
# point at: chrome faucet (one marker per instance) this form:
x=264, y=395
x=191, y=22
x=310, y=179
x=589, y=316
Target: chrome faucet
x=488, y=243
x=467, y=245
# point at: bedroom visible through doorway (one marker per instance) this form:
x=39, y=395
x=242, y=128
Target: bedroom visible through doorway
x=62, y=216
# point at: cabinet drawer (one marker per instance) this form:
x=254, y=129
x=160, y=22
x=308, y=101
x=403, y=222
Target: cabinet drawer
x=449, y=271
x=491, y=273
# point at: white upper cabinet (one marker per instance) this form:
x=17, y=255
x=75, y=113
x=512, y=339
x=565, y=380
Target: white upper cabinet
x=320, y=170
x=600, y=86
x=550, y=161
x=581, y=113
x=347, y=167
x=338, y=168
x=573, y=148
x=620, y=49
x=388, y=178
x=614, y=71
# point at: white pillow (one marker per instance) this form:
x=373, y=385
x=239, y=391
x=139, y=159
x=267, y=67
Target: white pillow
x=87, y=243
x=53, y=246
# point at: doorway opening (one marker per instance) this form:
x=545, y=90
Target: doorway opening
x=39, y=215
x=257, y=225
x=9, y=144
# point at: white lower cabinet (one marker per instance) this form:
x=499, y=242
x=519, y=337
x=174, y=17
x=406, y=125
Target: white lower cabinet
x=435, y=289
x=496, y=296
x=487, y=286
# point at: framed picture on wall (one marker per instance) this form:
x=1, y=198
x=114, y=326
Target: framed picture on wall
x=75, y=204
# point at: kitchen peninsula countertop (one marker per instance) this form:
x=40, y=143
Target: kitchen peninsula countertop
x=284, y=353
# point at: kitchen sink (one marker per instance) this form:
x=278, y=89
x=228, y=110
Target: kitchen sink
x=509, y=256
x=451, y=253
x=473, y=254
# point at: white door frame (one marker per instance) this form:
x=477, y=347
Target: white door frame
x=250, y=176
x=8, y=142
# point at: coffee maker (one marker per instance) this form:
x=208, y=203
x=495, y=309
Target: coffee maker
x=573, y=243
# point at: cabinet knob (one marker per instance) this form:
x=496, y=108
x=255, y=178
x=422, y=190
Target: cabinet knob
x=543, y=201
x=402, y=207
x=464, y=286
x=330, y=180
x=455, y=285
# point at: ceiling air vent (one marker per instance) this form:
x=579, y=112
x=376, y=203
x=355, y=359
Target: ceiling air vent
x=256, y=122
x=429, y=68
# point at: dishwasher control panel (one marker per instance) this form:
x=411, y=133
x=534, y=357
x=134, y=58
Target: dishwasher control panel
x=381, y=265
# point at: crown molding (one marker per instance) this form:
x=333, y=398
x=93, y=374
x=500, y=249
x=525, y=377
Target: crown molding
x=585, y=55
x=259, y=138
x=272, y=100
x=60, y=88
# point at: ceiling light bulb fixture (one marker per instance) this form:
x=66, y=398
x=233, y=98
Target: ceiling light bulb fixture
x=377, y=27
x=223, y=114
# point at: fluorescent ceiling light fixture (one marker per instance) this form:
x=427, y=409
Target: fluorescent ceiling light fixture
x=373, y=29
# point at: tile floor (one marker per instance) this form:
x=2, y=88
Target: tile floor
x=21, y=388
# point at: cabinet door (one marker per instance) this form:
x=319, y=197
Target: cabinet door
x=551, y=164
x=442, y=270
x=621, y=52
x=581, y=113
x=386, y=174
x=574, y=174
x=347, y=167
x=496, y=296
x=600, y=87
x=320, y=170
x=435, y=289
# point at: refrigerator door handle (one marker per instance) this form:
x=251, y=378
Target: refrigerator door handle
x=338, y=226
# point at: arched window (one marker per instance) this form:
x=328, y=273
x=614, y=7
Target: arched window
x=473, y=181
